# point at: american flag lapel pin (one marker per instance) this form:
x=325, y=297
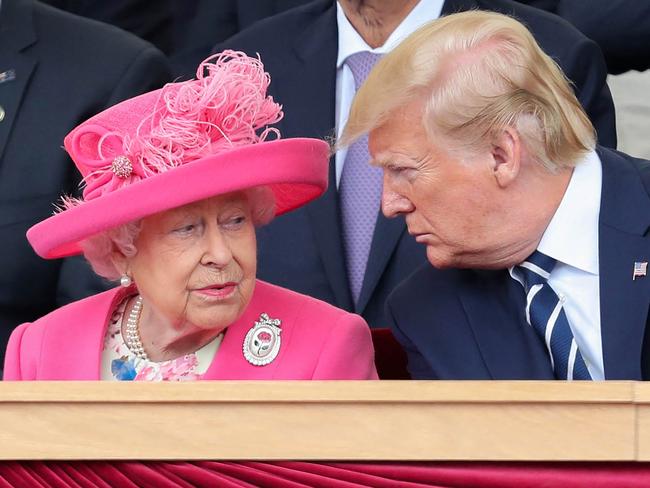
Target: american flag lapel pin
x=8, y=75
x=640, y=269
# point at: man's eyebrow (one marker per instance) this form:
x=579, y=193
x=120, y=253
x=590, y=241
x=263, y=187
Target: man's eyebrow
x=397, y=160
x=380, y=161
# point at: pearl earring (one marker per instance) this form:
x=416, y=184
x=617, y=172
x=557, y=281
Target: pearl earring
x=125, y=280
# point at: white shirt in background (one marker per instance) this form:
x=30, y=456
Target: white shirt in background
x=350, y=42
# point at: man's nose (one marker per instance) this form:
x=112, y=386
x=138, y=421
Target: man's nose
x=393, y=203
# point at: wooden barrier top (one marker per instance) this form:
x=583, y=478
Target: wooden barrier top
x=328, y=420
x=324, y=391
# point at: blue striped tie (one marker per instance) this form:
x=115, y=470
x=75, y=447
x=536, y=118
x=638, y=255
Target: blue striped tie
x=545, y=314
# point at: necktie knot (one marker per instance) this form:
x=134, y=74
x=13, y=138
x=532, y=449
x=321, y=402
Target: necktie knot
x=535, y=269
x=361, y=64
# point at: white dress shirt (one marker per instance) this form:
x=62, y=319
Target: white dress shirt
x=350, y=42
x=572, y=239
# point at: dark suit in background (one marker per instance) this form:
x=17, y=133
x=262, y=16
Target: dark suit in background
x=620, y=27
x=185, y=30
x=57, y=70
x=200, y=24
x=149, y=20
x=466, y=324
x=303, y=250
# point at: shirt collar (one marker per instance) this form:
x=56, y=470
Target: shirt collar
x=572, y=235
x=350, y=42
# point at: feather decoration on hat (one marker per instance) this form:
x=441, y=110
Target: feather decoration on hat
x=225, y=107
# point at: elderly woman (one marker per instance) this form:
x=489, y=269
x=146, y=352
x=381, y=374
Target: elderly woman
x=176, y=181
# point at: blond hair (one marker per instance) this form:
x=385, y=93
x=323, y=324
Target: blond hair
x=475, y=73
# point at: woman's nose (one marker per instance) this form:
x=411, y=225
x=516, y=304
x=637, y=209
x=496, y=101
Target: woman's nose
x=217, y=250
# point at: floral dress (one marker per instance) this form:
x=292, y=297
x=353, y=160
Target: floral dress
x=120, y=364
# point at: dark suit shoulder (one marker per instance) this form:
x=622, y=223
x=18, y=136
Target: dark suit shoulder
x=101, y=63
x=103, y=59
x=626, y=162
x=544, y=25
x=641, y=165
x=277, y=32
x=73, y=31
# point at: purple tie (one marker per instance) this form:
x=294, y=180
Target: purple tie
x=359, y=190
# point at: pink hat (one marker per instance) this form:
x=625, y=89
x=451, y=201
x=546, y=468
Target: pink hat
x=183, y=143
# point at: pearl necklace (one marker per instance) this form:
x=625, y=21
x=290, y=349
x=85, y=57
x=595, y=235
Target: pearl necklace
x=132, y=338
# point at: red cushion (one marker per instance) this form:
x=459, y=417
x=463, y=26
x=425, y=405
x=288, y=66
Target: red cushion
x=390, y=358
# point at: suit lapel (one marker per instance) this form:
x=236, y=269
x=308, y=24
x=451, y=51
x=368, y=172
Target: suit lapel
x=325, y=222
x=16, y=35
x=623, y=240
x=494, y=304
x=311, y=105
x=384, y=240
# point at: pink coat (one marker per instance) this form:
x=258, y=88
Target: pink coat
x=319, y=341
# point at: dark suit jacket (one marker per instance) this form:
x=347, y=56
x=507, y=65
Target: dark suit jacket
x=150, y=20
x=199, y=24
x=620, y=27
x=467, y=324
x=66, y=69
x=303, y=250
x=185, y=30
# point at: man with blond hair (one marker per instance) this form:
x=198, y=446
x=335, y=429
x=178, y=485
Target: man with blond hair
x=539, y=239
x=340, y=248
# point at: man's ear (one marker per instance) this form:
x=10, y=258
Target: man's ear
x=506, y=154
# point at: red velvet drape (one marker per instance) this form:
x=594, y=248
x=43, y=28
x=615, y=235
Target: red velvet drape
x=293, y=474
